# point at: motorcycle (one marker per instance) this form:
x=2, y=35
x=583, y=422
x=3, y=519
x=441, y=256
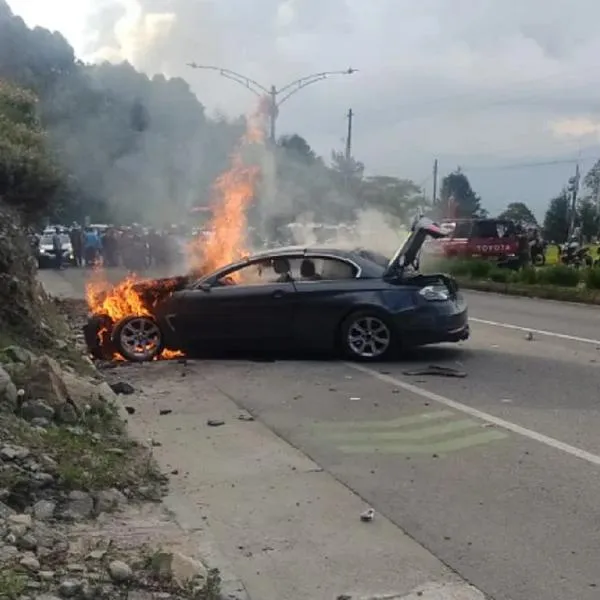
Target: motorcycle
x=576, y=256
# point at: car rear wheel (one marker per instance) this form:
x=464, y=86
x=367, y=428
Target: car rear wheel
x=366, y=336
x=138, y=338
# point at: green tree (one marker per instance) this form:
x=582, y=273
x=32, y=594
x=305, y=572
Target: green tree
x=29, y=177
x=457, y=197
x=520, y=212
x=556, y=219
x=587, y=217
x=592, y=180
x=297, y=148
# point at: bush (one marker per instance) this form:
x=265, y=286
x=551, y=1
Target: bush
x=480, y=269
x=559, y=275
x=458, y=267
x=592, y=278
x=528, y=275
x=501, y=275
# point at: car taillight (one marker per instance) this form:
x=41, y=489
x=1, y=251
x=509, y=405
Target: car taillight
x=435, y=293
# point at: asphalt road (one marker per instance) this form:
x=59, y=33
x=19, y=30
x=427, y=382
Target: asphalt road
x=495, y=473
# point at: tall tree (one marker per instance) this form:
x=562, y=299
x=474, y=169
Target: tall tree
x=298, y=148
x=556, y=219
x=592, y=180
x=457, y=198
x=587, y=218
x=520, y=212
x=28, y=176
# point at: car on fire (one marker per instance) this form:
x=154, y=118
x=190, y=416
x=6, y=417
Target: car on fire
x=358, y=303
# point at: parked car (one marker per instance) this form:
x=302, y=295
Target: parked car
x=45, y=250
x=319, y=299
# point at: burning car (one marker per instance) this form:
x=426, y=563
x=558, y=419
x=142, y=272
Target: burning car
x=318, y=299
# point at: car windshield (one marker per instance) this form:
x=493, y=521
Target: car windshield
x=46, y=240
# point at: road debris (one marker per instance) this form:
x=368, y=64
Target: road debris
x=130, y=410
x=354, y=398
x=529, y=336
x=122, y=387
x=367, y=516
x=245, y=417
x=215, y=423
x=164, y=411
x=436, y=370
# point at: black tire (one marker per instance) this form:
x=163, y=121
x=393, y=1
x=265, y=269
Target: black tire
x=97, y=334
x=363, y=320
x=150, y=334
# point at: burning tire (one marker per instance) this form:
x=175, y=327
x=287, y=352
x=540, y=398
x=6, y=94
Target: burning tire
x=138, y=338
x=97, y=333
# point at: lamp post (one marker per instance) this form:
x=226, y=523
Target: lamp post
x=276, y=96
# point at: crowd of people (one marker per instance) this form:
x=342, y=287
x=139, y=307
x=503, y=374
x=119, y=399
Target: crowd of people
x=135, y=248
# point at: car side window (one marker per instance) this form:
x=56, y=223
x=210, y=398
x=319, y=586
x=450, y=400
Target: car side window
x=258, y=273
x=315, y=268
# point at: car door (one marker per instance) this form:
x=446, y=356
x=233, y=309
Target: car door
x=240, y=314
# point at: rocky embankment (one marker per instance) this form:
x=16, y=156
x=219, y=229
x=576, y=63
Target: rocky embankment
x=65, y=462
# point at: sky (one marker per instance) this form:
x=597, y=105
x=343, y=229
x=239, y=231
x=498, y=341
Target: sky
x=509, y=92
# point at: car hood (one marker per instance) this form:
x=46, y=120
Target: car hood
x=407, y=253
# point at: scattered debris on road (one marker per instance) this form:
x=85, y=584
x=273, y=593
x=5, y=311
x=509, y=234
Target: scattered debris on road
x=529, y=336
x=436, y=370
x=354, y=398
x=245, y=417
x=215, y=423
x=368, y=515
x=164, y=411
x=122, y=387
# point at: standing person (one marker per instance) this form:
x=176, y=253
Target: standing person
x=57, y=249
x=76, y=235
x=91, y=246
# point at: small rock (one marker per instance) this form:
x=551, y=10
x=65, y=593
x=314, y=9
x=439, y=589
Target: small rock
x=13, y=452
x=21, y=519
x=529, y=336
x=122, y=387
x=130, y=410
x=69, y=588
x=368, y=515
x=40, y=422
x=215, y=423
x=27, y=542
x=8, y=391
x=44, y=509
x=46, y=575
x=119, y=571
x=180, y=568
x=109, y=500
x=80, y=504
x=30, y=562
x=165, y=411
x=8, y=553
x=37, y=409
x=245, y=417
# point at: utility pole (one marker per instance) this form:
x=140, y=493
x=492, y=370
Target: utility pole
x=435, y=181
x=574, y=188
x=350, y=116
x=276, y=96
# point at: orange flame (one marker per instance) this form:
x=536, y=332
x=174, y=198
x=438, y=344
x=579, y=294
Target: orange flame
x=233, y=192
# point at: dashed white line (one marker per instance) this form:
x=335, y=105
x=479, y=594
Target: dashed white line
x=562, y=336
x=458, y=406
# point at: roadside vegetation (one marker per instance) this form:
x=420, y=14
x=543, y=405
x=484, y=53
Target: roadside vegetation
x=556, y=282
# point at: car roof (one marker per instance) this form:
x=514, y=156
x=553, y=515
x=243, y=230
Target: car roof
x=305, y=250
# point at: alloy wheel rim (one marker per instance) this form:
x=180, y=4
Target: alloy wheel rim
x=141, y=338
x=368, y=337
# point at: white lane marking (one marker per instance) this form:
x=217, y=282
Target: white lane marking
x=562, y=336
x=528, y=433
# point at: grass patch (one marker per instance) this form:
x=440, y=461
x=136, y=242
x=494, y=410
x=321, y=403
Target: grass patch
x=12, y=584
x=84, y=460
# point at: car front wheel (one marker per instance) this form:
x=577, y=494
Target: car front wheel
x=138, y=338
x=366, y=336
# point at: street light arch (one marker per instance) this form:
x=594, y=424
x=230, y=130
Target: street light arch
x=276, y=96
